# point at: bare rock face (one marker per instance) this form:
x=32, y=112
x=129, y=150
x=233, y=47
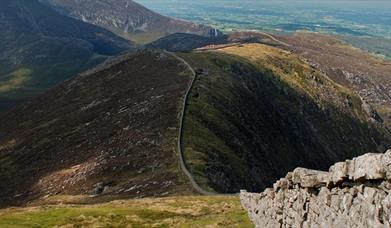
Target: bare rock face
x=355, y=193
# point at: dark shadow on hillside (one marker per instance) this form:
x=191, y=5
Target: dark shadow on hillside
x=246, y=128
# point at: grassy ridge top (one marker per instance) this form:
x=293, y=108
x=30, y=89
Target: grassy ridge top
x=157, y=212
x=296, y=73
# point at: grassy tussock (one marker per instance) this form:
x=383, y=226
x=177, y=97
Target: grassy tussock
x=217, y=211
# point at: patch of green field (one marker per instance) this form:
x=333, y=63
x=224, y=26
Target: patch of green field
x=36, y=78
x=217, y=211
x=16, y=80
x=144, y=38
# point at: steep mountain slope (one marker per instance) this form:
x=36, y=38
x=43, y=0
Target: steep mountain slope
x=112, y=131
x=128, y=19
x=41, y=48
x=369, y=76
x=257, y=112
x=365, y=74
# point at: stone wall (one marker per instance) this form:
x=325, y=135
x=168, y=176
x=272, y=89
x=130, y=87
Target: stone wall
x=355, y=193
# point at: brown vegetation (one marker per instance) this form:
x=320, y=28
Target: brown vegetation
x=366, y=74
x=109, y=132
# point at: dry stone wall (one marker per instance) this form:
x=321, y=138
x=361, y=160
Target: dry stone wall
x=355, y=193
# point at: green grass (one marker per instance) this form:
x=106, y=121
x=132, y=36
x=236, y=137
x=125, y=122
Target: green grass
x=144, y=38
x=16, y=80
x=194, y=211
x=33, y=79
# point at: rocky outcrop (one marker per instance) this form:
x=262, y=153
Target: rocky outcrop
x=355, y=193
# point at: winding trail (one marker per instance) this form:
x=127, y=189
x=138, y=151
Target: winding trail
x=182, y=163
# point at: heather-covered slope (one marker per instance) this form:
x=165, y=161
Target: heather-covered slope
x=257, y=112
x=41, y=48
x=111, y=131
x=128, y=19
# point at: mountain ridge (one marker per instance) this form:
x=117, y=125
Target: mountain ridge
x=128, y=19
x=113, y=131
x=41, y=48
x=108, y=132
